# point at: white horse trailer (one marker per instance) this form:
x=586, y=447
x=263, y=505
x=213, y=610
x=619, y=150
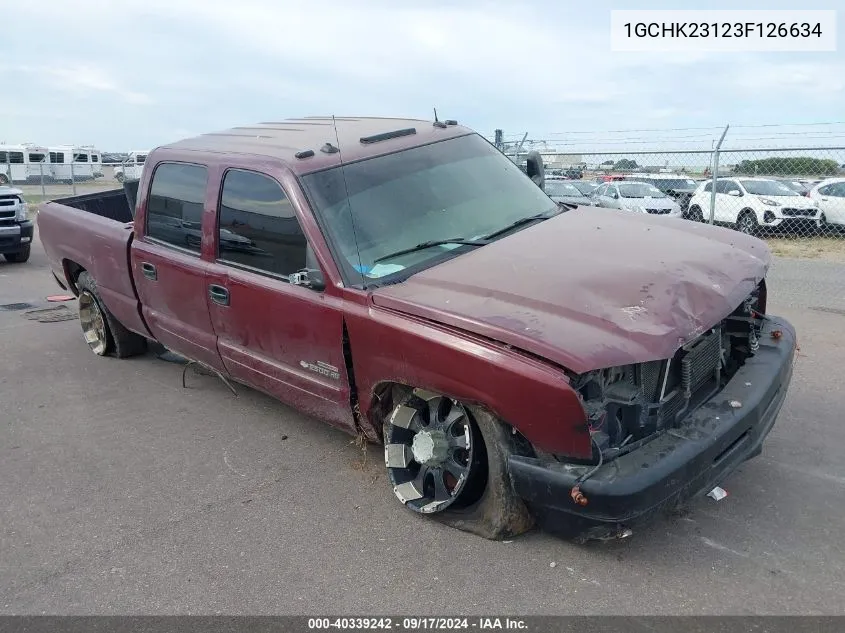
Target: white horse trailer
x=96, y=160
x=132, y=167
x=69, y=163
x=23, y=163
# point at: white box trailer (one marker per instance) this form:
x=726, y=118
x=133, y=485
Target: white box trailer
x=72, y=163
x=132, y=167
x=23, y=163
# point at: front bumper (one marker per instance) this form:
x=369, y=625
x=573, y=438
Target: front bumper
x=15, y=237
x=681, y=463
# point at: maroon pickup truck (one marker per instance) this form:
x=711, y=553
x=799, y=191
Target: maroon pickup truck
x=521, y=361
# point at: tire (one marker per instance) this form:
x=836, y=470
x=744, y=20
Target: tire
x=104, y=333
x=485, y=504
x=18, y=258
x=747, y=222
x=694, y=214
x=4, y=179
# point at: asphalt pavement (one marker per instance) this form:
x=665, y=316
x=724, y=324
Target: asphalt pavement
x=122, y=492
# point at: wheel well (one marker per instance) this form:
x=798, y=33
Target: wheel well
x=388, y=394
x=72, y=272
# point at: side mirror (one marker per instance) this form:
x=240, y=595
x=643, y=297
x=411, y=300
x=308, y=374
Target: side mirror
x=734, y=192
x=308, y=277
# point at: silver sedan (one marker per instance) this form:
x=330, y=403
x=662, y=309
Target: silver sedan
x=639, y=197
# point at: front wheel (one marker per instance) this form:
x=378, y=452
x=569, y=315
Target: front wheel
x=18, y=258
x=449, y=460
x=4, y=179
x=747, y=223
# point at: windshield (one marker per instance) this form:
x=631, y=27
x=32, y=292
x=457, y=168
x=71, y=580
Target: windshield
x=559, y=188
x=585, y=187
x=766, y=188
x=458, y=188
x=795, y=186
x=639, y=190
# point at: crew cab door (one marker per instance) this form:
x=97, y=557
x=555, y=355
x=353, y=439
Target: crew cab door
x=169, y=274
x=284, y=339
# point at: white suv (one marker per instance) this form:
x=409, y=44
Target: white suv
x=749, y=204
x=830, y=195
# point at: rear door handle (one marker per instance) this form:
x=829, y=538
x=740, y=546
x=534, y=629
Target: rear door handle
x=218, y=294
x=149, y=271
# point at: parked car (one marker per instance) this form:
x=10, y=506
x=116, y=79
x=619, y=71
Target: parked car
x=561, y=190
x=519, y=363
x=749, y=204
x=678, y=187
x=830, y=196
x=640, y=197
x=15, y=227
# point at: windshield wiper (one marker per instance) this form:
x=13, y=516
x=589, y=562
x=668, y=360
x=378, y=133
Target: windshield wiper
x=531, y=219
x=431, y=244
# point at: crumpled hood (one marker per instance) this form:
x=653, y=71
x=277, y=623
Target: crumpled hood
x=591, y=288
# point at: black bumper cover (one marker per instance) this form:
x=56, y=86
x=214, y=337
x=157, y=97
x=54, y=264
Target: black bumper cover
x=15, y=243
x=681, y=463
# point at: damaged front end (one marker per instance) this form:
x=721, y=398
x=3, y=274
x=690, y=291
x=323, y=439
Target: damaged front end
x=628, y=406
x=665, y=431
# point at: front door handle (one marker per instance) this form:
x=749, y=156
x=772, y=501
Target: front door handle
x=218, y=294
x=149, y=271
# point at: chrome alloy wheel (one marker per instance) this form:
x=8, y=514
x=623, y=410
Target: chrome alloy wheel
x=93, y=323
x=430, y=451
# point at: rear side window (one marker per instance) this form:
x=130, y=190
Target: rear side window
x=36, y=158
x=57, y=157
x=174, y=208
x=95, y=158
x=257, y=225
x=81, y=158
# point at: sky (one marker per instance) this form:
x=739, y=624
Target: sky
x=134, y=74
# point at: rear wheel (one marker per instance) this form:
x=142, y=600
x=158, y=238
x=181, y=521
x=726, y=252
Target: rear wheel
x=18, y=258
x=747, y=222
x=449, y=460
x=104, y=333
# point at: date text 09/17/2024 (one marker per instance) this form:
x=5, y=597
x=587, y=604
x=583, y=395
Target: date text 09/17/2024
x=418, y=623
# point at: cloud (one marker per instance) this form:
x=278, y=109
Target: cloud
x=158, y=66
x=81, y=79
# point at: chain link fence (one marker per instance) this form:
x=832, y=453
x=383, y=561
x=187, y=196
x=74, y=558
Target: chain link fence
x=787, y=193
x=44, y=174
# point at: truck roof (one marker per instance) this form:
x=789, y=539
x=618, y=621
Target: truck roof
x=299, y=142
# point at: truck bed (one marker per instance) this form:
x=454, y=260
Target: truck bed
x=113, y=204
x=93, y=232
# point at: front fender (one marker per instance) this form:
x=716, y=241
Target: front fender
x=532, y=396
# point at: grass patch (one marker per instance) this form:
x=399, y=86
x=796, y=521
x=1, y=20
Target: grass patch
x=827, y=248
x=33, y=199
